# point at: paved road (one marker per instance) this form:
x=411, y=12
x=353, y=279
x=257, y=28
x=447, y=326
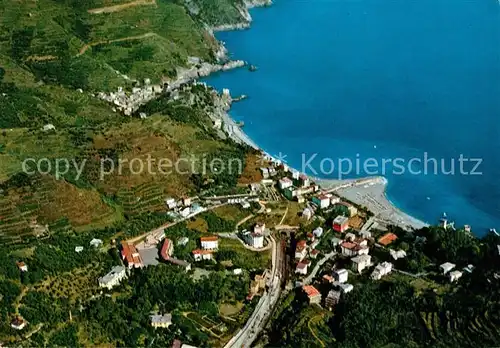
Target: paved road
x=247, y=335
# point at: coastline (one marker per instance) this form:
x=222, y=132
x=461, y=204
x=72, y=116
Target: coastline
x=370, y=192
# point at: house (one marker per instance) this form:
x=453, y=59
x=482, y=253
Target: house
x=200, y=254
x=254, y=239
x=334, y=200
x=22, y=266
x=322, y=201
x=318, y=232
x=291, y=192
x=344, y=287
x=446, y=267
x=467, y=228
x=265, y=173
x=332, y=299
x=387, y=239
x=131, y=256
x=186, y=201
x=285, y=183
x=301, y=199
x=304, y=180
x=328, y=278
x=259, y=227
x=354, y=248
x=161, y=321
x=314, y=253
x=381, y=270
x=307, y=213
x=313, y=295
x=310, y=237
x=454, y=275
x=18, y=323
x=399, y=254
x=302, y=267
x=336, y=241
x=340, y=223
x=209, y=243
x=171, y=203
x=167, y=249
x=301, y=250
x=176, y=344
x=365, y=234
x=245, y=205
x=183, y=241
x=341, y=275
x=48, y=127
x=237, y=271
x=113, y=278
x=185, y=212
x=359, y=263
x=350, y=236
x=78, y=249
x=96, y=243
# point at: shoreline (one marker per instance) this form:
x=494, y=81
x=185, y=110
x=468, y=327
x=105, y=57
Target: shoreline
x=373, y=191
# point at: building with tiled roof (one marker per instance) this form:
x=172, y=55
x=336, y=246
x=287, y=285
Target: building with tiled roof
x=313, y=295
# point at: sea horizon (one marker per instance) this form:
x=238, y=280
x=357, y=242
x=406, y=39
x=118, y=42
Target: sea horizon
x=367, y=91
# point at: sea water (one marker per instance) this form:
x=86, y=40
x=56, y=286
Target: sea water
x=374, y=80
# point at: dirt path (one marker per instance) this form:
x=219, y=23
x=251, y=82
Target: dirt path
x=314, y=320
x=121, y=7
x=128, y=38
x=284, y=216
x=40, y=58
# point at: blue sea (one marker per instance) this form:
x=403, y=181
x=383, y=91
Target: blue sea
x=367, y=81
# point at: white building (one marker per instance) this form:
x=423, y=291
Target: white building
x=209, y=243
x=302, y=268
x=345, y=288
x=454, y=275
x=359, y=263
x=307, y=214
x=200, y=255
x=183, y=241
x=318, y=232
x=237, y=271
x=113, y=278
x=341, y=275
x=171, y=203
x=253, y=239
x=322, y=201
x=48, y=127
x=301, y=250
x=285, y=183
x=400, y=254
x=259, y=227
x=162, y=321
x=447, y=266
x=334, y=200
x=96, y=243
x=78, y=249
x=381, y=270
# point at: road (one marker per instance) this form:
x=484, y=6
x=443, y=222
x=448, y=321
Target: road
x=247, y=335
x=159, y=230
x=318, y=266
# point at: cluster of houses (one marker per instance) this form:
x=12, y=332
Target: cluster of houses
x=208, y=245
x=183, y=207
x=302, y=250
x=128, y=103
x=453, y=275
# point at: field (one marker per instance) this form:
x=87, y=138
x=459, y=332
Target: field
x=242, y=257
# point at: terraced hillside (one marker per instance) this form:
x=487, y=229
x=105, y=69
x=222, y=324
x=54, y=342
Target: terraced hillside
x=449, y=329
x=54, y=56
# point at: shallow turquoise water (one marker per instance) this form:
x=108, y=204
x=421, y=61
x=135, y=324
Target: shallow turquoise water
x=383, y=80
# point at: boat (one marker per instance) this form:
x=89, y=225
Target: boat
x=253, y=68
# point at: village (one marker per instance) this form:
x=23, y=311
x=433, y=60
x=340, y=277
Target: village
x=335, y=246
